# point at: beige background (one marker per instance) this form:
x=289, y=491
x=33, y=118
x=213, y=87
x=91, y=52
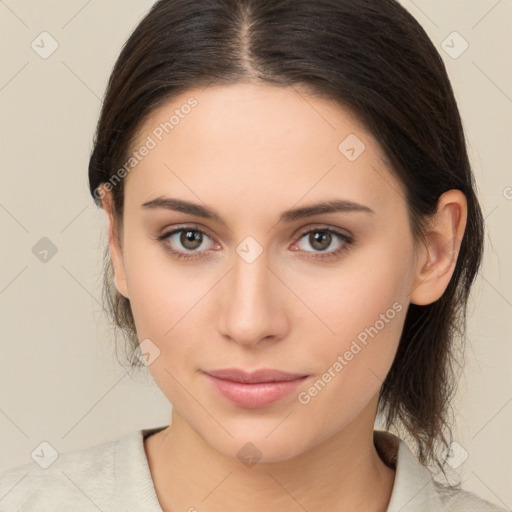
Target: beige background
x=60, y=381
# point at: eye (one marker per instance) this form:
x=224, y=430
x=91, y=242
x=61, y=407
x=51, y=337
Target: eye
x=190, y=238
x=322, y=238
x=192, y=241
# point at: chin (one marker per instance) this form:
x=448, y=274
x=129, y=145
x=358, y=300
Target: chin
x=259, y=446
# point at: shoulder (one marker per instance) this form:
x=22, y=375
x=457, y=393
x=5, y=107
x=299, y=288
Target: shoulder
x=416, y=490
x=83, y=477
x=460, y=500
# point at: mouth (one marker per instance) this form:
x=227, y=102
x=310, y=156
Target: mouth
x=253, y=390
x=254, y=377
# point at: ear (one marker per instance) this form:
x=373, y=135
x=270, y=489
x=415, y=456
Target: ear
x=114, y=242
x=437, y=256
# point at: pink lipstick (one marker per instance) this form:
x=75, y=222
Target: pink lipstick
x=256, y=389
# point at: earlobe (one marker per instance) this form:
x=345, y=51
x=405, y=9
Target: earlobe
x=438, y=255
x=114, y=242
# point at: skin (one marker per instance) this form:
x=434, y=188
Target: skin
x=285, y=310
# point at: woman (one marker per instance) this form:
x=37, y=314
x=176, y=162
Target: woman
x=293, y=235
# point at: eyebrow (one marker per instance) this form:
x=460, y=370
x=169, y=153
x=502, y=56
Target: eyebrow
x=329, y=206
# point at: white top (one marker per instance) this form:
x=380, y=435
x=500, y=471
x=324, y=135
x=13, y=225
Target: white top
x=115, y=477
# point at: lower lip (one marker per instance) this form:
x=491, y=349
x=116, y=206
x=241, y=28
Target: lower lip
x=257, y=395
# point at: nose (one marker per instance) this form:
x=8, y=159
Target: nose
x=253, y=307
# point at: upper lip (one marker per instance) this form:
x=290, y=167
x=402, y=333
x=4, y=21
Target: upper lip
x=262, y=375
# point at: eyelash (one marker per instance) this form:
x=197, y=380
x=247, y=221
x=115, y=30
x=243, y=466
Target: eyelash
x=347, y=243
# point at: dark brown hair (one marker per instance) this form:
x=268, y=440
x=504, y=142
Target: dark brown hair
x=371, y=56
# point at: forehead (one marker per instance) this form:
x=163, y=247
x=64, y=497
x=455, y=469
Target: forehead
x=246, y=143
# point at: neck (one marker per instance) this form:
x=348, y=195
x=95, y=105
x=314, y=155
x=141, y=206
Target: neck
x=333, y=475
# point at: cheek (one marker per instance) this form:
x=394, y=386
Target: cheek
x=363, y=304
x=352, y=366
x=366, y=297
x=161, y=290
x=165, y=299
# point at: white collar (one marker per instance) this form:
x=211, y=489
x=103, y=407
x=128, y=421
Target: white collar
x=414, y=488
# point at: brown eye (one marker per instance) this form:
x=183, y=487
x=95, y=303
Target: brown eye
x=191, y=239
x=320, y=240
x=186, y=242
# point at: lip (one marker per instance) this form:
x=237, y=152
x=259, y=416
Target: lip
x=252, y=390
x=256, y=376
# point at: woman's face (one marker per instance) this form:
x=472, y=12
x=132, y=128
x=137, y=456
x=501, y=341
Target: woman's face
x=257, y=291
